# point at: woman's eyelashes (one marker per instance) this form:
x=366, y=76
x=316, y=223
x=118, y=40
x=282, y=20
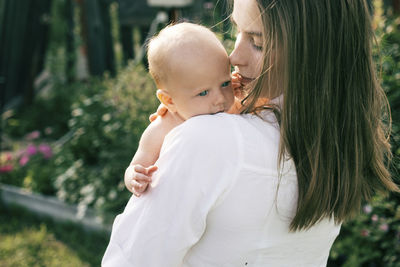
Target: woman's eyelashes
x=257, y=47
x=254, y=44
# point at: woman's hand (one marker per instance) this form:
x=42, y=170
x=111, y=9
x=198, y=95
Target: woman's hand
x=137, y=178
x=161, y=111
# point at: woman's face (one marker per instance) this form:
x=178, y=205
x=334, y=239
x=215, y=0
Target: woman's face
x=247, y=57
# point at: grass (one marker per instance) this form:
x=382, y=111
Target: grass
x=29, y=240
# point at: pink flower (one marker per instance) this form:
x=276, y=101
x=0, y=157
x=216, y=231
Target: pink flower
x=374, y=218
x=367, y=209
x=364, y=232
x=31, y=150
x=8, y=157
x=33, y=135
x=208, y=5
x=6, y=168
x=48, y=130
x=46, y=151
x=23, y=160
x=384, y=227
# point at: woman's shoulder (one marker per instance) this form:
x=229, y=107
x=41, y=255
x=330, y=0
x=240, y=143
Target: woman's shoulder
x=207, y=130
x=228, y=122
x=220, y=130
x=216, y=122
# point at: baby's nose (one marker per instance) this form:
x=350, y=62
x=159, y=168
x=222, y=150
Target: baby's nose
x=219, y=98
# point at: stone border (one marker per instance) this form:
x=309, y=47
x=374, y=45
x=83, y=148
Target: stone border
x=51, y=207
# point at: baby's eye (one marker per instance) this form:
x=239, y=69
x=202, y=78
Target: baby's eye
x=204, y=93
x=225, y=84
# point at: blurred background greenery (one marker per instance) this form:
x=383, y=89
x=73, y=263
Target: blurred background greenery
x=75, y=98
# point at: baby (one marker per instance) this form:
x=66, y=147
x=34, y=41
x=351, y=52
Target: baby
x=192, y=72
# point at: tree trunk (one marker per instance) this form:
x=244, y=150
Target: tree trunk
x=24, y=35
x=128, y=50
x=69, y=46
x=97, y=30
x=396, y=6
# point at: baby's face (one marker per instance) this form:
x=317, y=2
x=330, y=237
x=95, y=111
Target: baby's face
x=201, y=84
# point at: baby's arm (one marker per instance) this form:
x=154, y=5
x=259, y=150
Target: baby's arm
x=138, y=174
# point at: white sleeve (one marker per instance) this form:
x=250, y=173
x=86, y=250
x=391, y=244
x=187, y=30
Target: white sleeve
x=198, y=164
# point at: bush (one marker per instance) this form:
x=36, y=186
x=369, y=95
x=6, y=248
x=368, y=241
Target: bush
x=103, y=118
x=48, y=114
x=31, y=167
x=105, y=127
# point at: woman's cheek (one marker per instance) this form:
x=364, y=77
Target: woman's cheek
x=258, y=63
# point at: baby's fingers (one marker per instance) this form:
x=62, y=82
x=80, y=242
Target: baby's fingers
x=153, y=117
x=236, y=76
x=140, y=177
x=151, y=169
x=138, y=188
x=235, y=79
x=161, y=111
x=236, y=85
x=140, y=169
x=147, y=171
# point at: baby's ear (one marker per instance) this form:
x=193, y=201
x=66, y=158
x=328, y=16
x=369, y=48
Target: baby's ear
x=166, y=99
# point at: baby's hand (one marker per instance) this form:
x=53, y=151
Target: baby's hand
x=237, y=85
x=137, y=178
x=161, y=111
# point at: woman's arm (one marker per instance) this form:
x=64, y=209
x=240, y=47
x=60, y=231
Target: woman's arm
x=199, y=162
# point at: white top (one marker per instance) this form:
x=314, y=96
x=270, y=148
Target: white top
x=214, y=202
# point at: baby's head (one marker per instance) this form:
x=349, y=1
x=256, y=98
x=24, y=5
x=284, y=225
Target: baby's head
x=191, y=69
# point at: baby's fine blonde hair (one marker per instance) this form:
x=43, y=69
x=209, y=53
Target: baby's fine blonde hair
x=177, y=40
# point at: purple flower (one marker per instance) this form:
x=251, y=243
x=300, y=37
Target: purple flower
x=33, y=135
x=23, y=160
x=6, y=168
x=31, y=150
x=46, y=151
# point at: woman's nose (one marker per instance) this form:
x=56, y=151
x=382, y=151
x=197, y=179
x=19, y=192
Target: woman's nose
x=237, y=57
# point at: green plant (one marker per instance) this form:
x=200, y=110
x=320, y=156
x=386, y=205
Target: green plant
x=29, y=240
x=105, y=126
x=30, y=167
x=373, y=238
x=48, y=114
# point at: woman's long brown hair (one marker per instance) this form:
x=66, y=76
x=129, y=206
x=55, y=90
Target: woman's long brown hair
x=335, y=117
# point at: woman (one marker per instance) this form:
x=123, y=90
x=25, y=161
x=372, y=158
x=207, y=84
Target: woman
x=272, y=186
